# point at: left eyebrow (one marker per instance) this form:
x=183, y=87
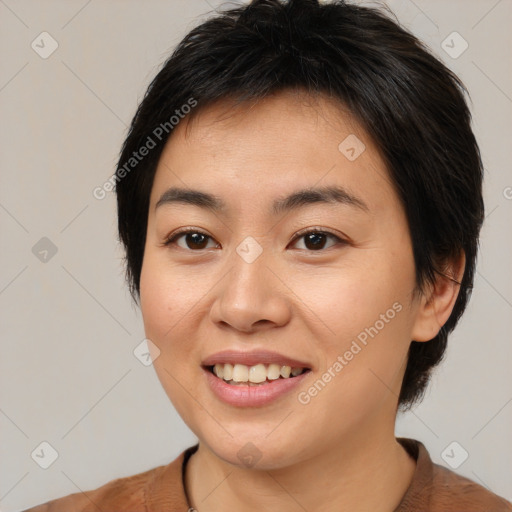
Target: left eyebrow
x=298, y=199
x=328, y=194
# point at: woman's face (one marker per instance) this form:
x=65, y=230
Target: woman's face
x=324, y=284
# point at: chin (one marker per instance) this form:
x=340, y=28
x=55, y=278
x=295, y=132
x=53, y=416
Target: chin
x=252, y=451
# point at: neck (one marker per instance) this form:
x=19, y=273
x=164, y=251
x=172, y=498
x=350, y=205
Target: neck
x=369, y=471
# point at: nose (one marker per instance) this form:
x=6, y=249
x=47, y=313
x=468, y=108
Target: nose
x=251, y=297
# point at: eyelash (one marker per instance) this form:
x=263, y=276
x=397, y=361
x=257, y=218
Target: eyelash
x=172, y=238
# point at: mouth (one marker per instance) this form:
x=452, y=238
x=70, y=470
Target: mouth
x=259, y=374
x=253, y=378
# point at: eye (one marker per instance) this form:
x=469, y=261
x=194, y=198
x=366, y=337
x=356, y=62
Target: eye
x=315, y=240
x=193, y=239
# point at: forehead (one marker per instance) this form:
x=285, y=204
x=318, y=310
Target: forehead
x=294, y=111
x=290, y=140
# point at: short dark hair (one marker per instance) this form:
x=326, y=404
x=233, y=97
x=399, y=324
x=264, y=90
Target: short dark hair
x=410, y=104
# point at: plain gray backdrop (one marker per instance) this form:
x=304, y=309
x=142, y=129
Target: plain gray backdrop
x=68, y=373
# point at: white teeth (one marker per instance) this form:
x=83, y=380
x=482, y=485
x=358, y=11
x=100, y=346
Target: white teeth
x=256, y=374
x=219, y=370
x=273, y=372
x=285, y=371
x=228, y=372
x=240, y=373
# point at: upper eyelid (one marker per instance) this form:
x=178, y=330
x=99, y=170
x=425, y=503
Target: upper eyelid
x=172, y=238
x=325, y=231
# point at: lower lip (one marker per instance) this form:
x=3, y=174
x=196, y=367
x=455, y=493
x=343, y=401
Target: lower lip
x=252, y=396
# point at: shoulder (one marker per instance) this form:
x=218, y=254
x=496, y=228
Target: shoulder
x=127, y=494
x=450, y=488
x=435, y=488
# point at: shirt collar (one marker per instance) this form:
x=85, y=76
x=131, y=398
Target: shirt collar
x=166, y=489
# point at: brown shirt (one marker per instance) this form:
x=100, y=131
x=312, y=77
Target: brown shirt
x=433, y=489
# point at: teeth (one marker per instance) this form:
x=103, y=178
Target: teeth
x=257, y=373
x=227, y=373
x=218, y=369
x=285, y=371
x=273, y=372
x=240, y=373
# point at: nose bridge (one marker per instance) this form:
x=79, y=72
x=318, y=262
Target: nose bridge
x=250, y=276
x=250, y=292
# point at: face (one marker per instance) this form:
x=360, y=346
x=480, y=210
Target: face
x=323, y=283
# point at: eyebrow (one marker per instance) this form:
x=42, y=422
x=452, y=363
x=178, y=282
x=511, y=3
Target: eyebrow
x=298, y=199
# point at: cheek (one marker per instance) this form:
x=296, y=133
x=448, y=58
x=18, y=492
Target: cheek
x=345, y=300
x=362, y=369
x=166, y=297
x=362, y=330
x=167, y=305
x=164, y=306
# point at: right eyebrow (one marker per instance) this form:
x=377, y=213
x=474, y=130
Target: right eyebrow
x=190, y=196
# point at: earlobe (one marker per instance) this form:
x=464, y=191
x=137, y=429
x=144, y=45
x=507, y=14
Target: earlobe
x=438, y=300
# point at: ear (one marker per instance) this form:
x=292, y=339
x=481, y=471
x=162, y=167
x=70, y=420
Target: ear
x=437, y=301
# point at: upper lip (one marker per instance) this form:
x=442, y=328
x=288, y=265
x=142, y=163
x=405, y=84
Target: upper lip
x=253, y=357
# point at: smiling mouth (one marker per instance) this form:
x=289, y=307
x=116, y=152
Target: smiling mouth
x=257, y=375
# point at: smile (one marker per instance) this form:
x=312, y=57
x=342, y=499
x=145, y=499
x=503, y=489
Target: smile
x=253, y=378
x=256, y=375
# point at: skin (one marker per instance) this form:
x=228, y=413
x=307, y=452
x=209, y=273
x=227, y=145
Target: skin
x=305, y=303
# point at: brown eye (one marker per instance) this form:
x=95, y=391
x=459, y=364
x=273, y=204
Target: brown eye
x=316, y=240
x=192, y=240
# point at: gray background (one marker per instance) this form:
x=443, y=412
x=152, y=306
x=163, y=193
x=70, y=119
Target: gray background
x=68, y=373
